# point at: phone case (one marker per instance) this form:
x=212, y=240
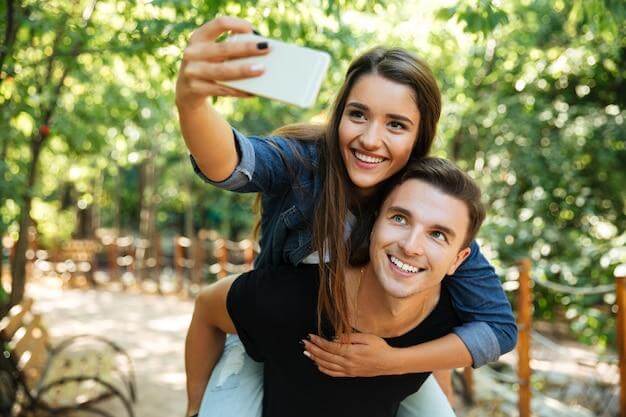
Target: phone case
x=293, y=74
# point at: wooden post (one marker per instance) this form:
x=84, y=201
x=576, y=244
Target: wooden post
x=198, y=259
x=222, y=256
x=110, y=244
x=620, y=291
x=248, y=248
x=524, y=324
x=179, y=257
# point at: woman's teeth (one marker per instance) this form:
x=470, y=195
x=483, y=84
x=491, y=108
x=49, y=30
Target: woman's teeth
x=405, y=267
x=367, y=159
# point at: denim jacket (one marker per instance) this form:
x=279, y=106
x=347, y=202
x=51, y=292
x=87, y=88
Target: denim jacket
x=273, y=167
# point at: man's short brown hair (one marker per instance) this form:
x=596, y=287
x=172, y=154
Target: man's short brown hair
x=451, y=180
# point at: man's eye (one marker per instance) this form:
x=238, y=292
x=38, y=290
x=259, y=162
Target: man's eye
x=398, y=219
x=439, y=236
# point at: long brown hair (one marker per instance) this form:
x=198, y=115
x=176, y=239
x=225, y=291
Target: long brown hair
x=338, y=192
x=395, y=65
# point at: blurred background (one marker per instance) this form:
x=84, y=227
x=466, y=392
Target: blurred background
x=96, y=187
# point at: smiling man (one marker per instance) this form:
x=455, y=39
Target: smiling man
x=421, y=234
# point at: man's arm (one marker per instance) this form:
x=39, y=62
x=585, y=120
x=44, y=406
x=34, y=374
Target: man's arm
x=209, y=324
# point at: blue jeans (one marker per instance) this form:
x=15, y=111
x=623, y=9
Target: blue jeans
x=236, y=389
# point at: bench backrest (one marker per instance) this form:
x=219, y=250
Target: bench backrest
x=27, y=339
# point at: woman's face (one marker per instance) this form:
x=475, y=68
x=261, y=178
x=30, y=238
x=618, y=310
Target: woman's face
x=377, y=131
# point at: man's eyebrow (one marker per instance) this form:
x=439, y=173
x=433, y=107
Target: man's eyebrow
x=391, y=115
x=401, y=210
x=445, y=230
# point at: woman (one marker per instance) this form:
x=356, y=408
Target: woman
x=313, y=185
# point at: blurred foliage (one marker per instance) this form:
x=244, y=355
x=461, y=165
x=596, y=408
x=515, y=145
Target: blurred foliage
x=538, y=119
x=533, y=108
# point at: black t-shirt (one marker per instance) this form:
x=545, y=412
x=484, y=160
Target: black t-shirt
x=274, y=308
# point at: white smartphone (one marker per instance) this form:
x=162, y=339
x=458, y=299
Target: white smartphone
x=293, y=74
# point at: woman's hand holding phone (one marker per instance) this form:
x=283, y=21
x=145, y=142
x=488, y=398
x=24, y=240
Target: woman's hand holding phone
x=206, y=61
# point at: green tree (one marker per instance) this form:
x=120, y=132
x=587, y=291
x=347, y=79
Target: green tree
x=538, y=119
x=86, y=99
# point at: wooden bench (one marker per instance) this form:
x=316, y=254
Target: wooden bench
x=77, y=374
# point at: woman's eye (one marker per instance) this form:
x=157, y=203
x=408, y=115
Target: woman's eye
x=397, y=125
x=398, y=219
x=356, y=114
x=439, y=236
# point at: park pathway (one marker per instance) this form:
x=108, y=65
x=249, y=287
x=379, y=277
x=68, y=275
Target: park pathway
x=150, y=328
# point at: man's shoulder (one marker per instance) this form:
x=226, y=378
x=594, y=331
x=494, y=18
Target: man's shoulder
x=275, y=295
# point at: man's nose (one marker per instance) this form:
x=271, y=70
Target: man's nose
x=413, y=243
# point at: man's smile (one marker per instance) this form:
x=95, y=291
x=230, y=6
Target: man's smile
x=404, y=266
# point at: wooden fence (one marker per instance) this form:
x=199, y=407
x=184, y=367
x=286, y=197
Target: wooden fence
x=524, y=322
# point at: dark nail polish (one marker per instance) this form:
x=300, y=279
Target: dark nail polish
x=262, y=45
x=256, y=32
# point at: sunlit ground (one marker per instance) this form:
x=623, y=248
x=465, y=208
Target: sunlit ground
x=150, y=328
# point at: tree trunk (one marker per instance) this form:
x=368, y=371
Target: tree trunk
x=147, y=225
x=189, y=214
x=18, y=266
x=97, y=202
x=9, y=34
x=117, y=223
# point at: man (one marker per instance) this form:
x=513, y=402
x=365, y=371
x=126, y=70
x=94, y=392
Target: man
x=421, y=234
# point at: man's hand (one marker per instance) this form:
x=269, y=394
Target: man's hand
x=357, y=354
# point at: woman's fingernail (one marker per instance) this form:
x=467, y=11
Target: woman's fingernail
x=262, y=45
x=307, y=354
x=257, y=67
x=302, y=343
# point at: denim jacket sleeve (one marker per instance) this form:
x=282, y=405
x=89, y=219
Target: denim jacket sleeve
x=489, y=328
x=266, y=165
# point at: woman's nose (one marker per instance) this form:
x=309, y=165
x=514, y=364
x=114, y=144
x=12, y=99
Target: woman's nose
x=371, y=139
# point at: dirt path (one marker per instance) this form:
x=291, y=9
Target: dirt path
x=151, y=328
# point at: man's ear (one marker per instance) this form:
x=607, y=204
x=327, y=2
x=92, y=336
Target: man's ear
x=460, y=257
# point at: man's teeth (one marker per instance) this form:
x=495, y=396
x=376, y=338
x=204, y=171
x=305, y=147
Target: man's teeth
x=367, y=158
x=405, y=267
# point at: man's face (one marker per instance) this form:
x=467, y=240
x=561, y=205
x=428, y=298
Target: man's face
x=417, y=238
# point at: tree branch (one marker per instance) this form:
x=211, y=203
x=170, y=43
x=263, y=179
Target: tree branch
x=75, y=51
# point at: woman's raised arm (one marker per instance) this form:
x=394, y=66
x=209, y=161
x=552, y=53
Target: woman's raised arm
x=208, y=136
